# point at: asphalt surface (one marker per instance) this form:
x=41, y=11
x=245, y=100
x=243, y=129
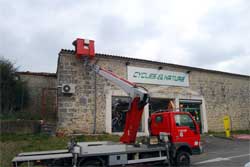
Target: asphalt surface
x=219, y=152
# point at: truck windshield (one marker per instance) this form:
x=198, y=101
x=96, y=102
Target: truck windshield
x=184, y=120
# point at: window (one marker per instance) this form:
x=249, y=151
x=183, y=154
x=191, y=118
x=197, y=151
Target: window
x=120, y=106
x=194, y=108
x=184, y=120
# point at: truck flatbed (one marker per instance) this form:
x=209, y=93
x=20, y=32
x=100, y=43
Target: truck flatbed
x=116, y=153
x=103, y=148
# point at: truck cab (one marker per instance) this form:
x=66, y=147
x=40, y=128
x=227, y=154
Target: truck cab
x=182, y=129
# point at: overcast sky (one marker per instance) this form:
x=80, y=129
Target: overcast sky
x=212, y=34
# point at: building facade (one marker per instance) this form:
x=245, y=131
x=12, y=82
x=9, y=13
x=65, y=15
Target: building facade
x=42, y=89
x=98, y=106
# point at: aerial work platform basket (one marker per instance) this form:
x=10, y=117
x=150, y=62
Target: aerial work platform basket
x=84, y=48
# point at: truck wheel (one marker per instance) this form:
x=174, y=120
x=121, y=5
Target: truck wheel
x=92, y=163
x=182, y=159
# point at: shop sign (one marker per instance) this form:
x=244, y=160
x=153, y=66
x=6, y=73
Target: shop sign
x=158, y=77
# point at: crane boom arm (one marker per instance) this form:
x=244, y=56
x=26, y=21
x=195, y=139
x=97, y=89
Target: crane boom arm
x=85, y=51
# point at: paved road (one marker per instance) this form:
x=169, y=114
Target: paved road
x=223, y=153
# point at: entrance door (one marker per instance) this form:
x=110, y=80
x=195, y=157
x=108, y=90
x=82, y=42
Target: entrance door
x=194, y=108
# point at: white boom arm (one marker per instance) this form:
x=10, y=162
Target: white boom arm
x=130, y=88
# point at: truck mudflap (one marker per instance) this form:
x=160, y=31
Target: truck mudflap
x=40, y=156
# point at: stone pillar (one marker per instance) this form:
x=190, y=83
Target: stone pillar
x=177, y=102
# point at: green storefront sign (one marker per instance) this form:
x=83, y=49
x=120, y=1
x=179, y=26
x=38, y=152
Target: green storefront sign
x=154, y=76
x=158, y=77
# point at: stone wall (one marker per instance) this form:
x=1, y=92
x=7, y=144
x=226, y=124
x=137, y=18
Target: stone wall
x=223, y=93
x=42, y=92
x=20, y=126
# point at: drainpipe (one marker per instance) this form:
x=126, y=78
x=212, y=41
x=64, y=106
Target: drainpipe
x=95, y=108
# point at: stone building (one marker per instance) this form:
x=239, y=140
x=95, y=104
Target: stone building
x=42, y=94
x=98, y=106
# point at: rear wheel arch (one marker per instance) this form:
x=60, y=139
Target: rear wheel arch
x=93, y=161
x=61, y=162
x=185, y=148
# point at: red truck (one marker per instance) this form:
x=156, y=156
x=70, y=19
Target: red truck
x=183, y=131
x=177, y=133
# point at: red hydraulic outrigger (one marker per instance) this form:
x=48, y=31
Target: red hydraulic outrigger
x=139, y=96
